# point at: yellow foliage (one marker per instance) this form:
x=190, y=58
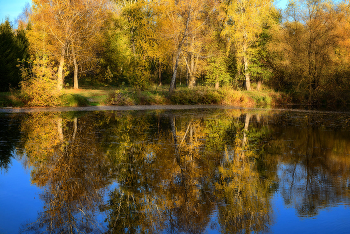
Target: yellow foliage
x=39, y=85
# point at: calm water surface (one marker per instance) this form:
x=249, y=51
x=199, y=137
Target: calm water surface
x=190, y=171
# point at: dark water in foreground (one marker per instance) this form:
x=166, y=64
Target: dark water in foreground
x=194, y=171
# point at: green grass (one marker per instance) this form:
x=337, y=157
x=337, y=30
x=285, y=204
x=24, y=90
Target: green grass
x=88, y=96
x=260, y=98
x=11, y=99
x=74, y=100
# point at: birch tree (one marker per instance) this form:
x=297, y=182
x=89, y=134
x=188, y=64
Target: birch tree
x=179, y=17
x=245, y=20
x=52, y=30
x=88, y=30
x=61, y=27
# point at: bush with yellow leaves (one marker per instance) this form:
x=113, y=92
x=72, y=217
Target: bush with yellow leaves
x=38, y=85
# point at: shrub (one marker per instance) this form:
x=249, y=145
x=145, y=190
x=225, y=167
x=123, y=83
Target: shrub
x=196, y=96
x=121, y=98
x=74, y=100
x=38, y=86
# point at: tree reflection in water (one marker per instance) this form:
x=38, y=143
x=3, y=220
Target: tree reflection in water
x=245, y=195
x=67, y=162
x=189, y=176
x=166, y=196
x=314, y=160
x=174, y=171
x=9, y=136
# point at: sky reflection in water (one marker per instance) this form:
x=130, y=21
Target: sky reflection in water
x=194, y=171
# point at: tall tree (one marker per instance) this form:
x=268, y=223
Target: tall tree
x=60, y=25
x=13, y=48
x=180, y=16
x=245, y=20
x=52, y=31
x=311, y=47
x=88, y=29
x=185, y=27
x=131, y=42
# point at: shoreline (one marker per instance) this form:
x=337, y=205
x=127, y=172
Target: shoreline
x=115, y=108
x=10, y=110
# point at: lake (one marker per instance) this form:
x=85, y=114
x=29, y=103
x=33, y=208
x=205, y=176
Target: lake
x=175, y=171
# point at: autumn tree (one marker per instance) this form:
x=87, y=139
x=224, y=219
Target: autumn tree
x=163, y=35
x=131, y=48
x=186, y=22
x=220, y=62
x=86, y=45
x=202, y=28
x=64, y=27
x=51, y=32
x=179, y=15
x=217, y=71
x=310, y=49
x=245, y=21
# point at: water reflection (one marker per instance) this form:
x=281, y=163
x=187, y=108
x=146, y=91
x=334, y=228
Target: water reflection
x=179, y=172
x=66, y=161
x=9, y=136
x=314, y=165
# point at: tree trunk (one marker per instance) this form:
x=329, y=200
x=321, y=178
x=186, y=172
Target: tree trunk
x=179, y=76
x=246, y=66
x=173, y=79
x=217, y=85
x=187, y=77
x=191, y=66
x=246, y=73
x=259, y=85
x=192, y=81
x=160, y=73
x=190, y=71
x=60, y=77
x=75, y=81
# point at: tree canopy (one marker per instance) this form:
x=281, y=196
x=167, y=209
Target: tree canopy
x=303, y=50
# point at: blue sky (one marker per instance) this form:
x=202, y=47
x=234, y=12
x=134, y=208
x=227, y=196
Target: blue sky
x=12, y=8
x=278, y=3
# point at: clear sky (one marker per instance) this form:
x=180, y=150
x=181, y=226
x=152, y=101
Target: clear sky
x=12, y=8
x=282, y=4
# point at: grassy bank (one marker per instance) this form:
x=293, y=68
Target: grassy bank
x=157, y=96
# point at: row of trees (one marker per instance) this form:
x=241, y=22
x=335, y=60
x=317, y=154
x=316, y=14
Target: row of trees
x=303, y=50
x=211, y=39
